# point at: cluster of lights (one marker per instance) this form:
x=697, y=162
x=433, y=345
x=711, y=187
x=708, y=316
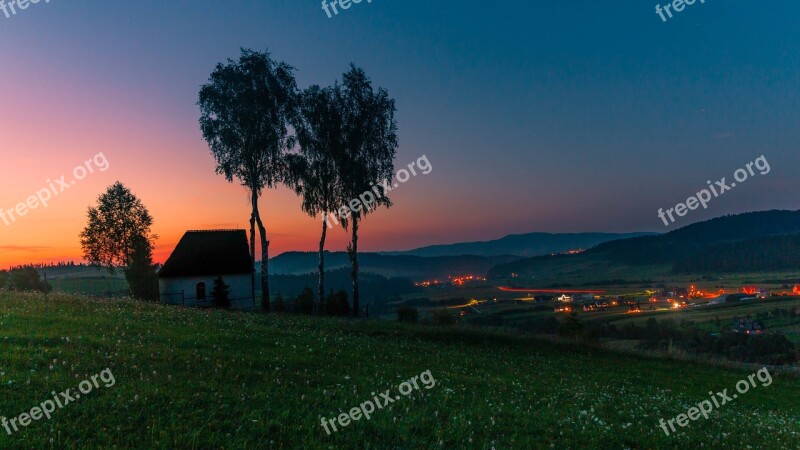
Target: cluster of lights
x=575, y=251
x=456, y=281
x=459, y=281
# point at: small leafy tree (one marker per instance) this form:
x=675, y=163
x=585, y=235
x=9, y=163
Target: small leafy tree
x=4, y=279
x=118, y=235
x=221, y=293
x=407, y=314
x=443, y=317
x=115, y=227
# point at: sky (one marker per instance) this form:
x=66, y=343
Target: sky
x=535, y=115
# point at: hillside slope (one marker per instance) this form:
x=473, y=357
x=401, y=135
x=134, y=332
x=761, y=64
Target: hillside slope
x=188, y=378
x=750, y=242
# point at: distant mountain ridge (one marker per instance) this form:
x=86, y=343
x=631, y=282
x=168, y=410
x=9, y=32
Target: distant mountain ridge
x=390, y=266
x=748, y=242
x=522, y=245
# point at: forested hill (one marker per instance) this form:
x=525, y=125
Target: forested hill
x=754, y=255
x=690, y=240
x=749, y=242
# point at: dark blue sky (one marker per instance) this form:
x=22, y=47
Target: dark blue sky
x=536, y=115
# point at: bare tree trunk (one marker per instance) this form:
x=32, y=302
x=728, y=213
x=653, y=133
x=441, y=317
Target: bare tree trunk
x=354, y=261
x=253, y=253
x=264, y=256
x=322, y=266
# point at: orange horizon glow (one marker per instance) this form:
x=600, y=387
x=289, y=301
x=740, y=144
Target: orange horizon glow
x=190, y=198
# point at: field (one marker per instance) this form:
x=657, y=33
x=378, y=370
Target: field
x=188, y=378
x=711, y=317
x=87, y=280
x=515, y=309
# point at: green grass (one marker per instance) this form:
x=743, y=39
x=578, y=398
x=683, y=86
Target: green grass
x=188, y=378
x=87, y=280
x=101, y=286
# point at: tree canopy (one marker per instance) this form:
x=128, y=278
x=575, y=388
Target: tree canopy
x=246, y=109
x=115, y=227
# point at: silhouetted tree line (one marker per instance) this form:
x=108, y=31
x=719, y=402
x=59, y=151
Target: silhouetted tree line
x=336, y=304
x=763, y=254
x=376, y=289
x=50, y=265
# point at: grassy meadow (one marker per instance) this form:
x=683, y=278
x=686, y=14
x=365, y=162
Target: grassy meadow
x=188, y=378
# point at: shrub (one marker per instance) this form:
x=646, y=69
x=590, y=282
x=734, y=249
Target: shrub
x=221, y=293
x=593, y=330
x=652, y=330
x=443, y=317
x=337, y=304
x=407, y=314
x=570, y=326
x=549, y=325
x=279, y=304
x=668, y=329
x=630, y=331
x=770, y=349
x=305, y=302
